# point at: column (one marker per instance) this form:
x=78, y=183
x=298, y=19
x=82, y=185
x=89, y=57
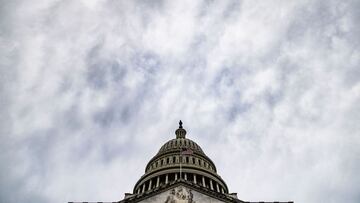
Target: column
x=222, y=190
x=217, y=187
x=150, y=184
x=158, y=181
x=194, y=178
x=185, y=176
x=166, y=179
x=143, y=189
x=175, y=176
x=203, y=181
x=211, y=185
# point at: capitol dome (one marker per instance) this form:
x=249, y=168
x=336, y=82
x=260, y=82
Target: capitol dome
x=180, y=160
x=181, y=173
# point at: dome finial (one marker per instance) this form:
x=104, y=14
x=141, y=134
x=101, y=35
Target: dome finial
x=180, y=132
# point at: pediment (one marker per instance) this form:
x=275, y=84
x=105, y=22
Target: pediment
x=180, y=194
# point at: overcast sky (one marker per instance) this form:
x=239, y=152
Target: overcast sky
x=90, y=90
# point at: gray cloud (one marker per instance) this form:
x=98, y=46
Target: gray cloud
x=90, y=90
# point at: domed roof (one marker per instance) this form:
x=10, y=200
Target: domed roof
x=180, y=159
x=178, y=144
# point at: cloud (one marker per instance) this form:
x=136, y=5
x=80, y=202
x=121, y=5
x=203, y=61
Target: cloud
x=90, y=90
